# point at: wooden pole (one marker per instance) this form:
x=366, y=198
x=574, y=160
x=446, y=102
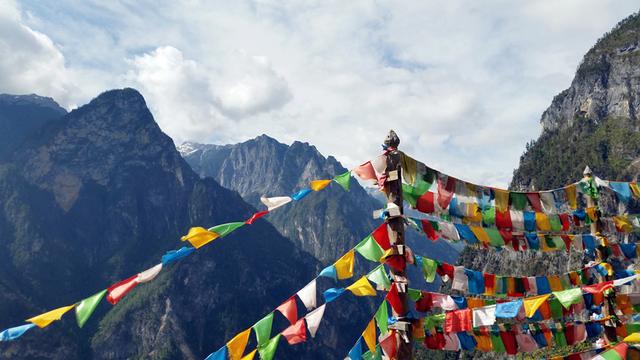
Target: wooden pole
x=393, y=192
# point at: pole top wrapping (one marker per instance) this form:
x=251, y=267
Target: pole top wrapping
x=392, y=139
x=587, y=171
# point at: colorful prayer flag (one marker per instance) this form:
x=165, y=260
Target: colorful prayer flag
x=308, y=295
x=317, y=185
x=199, y=236
x=238, y=344
x=15, y=332
x=262, y=329
x=314, y=319
x=273, y=203
x=362, y=287
x=344, y=265
x=268, y=350
x=149, y=274
x=296, y=333
x=86, y=307
x=43, y=320
x=120, y=289
x=344, y=180
x=289, y=309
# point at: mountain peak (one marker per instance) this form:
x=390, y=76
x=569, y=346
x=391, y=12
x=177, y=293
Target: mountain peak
x=31, y=100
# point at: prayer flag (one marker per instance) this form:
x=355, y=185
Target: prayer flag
x=296, y=333
x=619, y=352
x=317, y=185
x=501, y=199
x=381, y=236
x=382, y=318
x=221, y=354
x=446, y=186
x=15, y=332
x=426, y=202
x=457, y=321
x=394, y=299
x=369, y=336
x=256, y=216
x=344, y=265
x=362, y=287
x=175, y=255
x=86, y=307
x=268, y=350
x=380, y=277
x=237, y=345
x=633, y=338
x=199, y=236
x=356, y=351
x=622, y=190
x=388, y=345
x=531, y=304
x=275, y=202
x=43, y=320
x=262, y=329
x=250, y=355
x=120, y=289
x=149, y=274
x=518, y=200
x=289, y=309
x=569, y=297
x=369, y=249
x=344, y=180
x=224, y=229
x=508, y=310
x=429, y=269
x=484, y=316
x=366, y=171
x=301, y=194
x=330, y=272
x=314, y=319
x=332, y=294
x=534, y=200
x=308, y=295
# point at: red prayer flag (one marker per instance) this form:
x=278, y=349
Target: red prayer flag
x=507, y=236
x=457, y=321
x=445, y=269
x=381, y=236
x=428, y=229
x=565, y=220
x=503, y=219
x=598, y=288
x=289, y=309
x=120, y=289
x=534, y=200
x=296, y=333
x=398, y=262
x=256, y=216
x=394, y=299
x=509, y=341
x=567, y=241
x=425, y=203
x=445, y=191
x=435, y=341
x=366, y=171
x=425, y=302
x=388, y=344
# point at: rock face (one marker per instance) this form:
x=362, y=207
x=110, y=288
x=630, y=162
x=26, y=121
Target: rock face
x=325, y=224
x=595, y=121
x=99, y=195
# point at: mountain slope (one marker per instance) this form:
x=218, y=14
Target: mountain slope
x=98, y=196
x=595, y=121
x=325, y=224
x=20, y=115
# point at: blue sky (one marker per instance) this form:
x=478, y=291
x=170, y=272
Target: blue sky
x=464, y=83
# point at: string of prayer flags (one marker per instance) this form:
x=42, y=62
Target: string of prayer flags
x=15, y=332
x=238, y=344
x=43, y=320
x=268, y=350
x=119, y=290
x=313, y=319
x=86, y=307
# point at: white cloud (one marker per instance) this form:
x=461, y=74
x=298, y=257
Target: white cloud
x=463, y=83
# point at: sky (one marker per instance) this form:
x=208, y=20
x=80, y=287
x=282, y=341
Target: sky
x=463, y=83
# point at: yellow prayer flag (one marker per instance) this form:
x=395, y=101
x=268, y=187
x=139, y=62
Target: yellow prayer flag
x=479, y=232
x=555, y=283
x=317, y=185
x=593, y=215
x=362, y=287
x=635, y=189
x=502, y=200
x=47, y=318
x=409, y=169
x=237, y=345
x=250, y=355
x=542, y=221
x=531, y=304
x=344, y=265
x=633, y=338
x=571, y=196
x=199, y=236
x=623, y=224
x=369, y=336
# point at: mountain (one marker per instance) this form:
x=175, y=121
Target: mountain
x=100, y=194
x=20, y=115
x=325, y=224
x=595, y=122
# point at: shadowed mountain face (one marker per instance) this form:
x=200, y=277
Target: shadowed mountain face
x=99, y=195
x=325, y=224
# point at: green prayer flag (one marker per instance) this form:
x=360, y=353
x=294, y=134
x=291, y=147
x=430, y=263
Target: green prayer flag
x=558, y=242
x=382, y=318
x=380, y=277
x=429, y=267
x=414, y=295
x=371, y=356
x=632, y=327
x=268, y=350
x=518, y=200
x=369, y=249
x=495, y=239
x=263, y=329
x=556, y=308
x=410, y=195
x=556, y=224
x=86, y=307
x=589, y=187
x=344, y=180
x=569, y=297
x=559, y=338
x=497, y=344
x=489, y=216
x=430, y=322
x=225, y=229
